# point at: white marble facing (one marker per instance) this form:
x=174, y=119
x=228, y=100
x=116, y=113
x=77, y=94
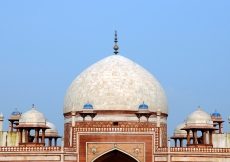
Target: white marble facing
x=160, y=158
x=71, y=158
x=10, y=138
x=199, y=118
x=1, y=121
x=52, y=130
x=179, y=132
x=115, y=83
x=115, y=117
x=31, y=158
x=32, y=117
x=221, y=140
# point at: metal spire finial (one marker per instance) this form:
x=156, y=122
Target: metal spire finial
x=32, y=106
x=115, y=46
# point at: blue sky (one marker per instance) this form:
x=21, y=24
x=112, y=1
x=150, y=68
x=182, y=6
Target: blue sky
x=44, y=45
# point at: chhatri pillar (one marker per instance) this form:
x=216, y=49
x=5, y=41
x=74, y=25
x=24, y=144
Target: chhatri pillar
x=181, y=135
x=143, y=111
x=217, y=122
x=14, y=119
x=50, y=134
x=88, y=111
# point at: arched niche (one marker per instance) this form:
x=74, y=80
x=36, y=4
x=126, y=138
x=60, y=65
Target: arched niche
x=115, y=155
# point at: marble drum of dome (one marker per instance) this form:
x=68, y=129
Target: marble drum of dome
x=115, y=83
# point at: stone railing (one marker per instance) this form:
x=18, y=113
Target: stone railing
x=30, y=149
x=36, y=149
x=70, y=149
x=197, y=149
x=162, y=149
x=109, y=129
x=192, y=149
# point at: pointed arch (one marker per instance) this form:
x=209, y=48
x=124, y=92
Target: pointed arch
x=113, y=154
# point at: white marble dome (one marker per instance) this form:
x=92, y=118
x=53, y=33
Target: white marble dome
x=32, y=117
x=199, y=118
x=115, y=83
x=52, y=130
x=178, y=131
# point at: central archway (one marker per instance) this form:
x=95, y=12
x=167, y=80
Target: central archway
x=115, y=156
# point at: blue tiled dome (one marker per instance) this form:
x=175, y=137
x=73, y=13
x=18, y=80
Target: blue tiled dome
x=216, y=114
x=143, y=106
x=88, y=106
x=16, y=112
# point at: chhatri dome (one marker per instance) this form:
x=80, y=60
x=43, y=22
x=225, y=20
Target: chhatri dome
x=115, y=83
x=33, y=118
x=179, y=132
x=199, y=118
x=52, y=132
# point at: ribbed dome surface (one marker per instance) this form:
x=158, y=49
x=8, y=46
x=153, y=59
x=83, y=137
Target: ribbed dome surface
x=115, y=83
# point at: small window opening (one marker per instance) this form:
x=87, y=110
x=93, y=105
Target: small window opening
x=115, y=123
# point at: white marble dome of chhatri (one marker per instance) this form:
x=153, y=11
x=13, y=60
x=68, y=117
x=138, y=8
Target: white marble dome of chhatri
x=199, y=118
x=52, y=130
x=115, y=83
x=32, y=117
x=179, y=132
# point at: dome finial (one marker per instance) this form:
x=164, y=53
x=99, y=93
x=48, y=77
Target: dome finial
x=199, y=108
x=115, y=47
x=32, y=106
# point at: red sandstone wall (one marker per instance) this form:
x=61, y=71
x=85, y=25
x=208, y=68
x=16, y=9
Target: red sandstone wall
x=147, y=139
x=67, y=128
x=164, y=135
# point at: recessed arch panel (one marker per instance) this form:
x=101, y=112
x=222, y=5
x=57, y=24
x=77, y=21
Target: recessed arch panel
x=115, y=155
